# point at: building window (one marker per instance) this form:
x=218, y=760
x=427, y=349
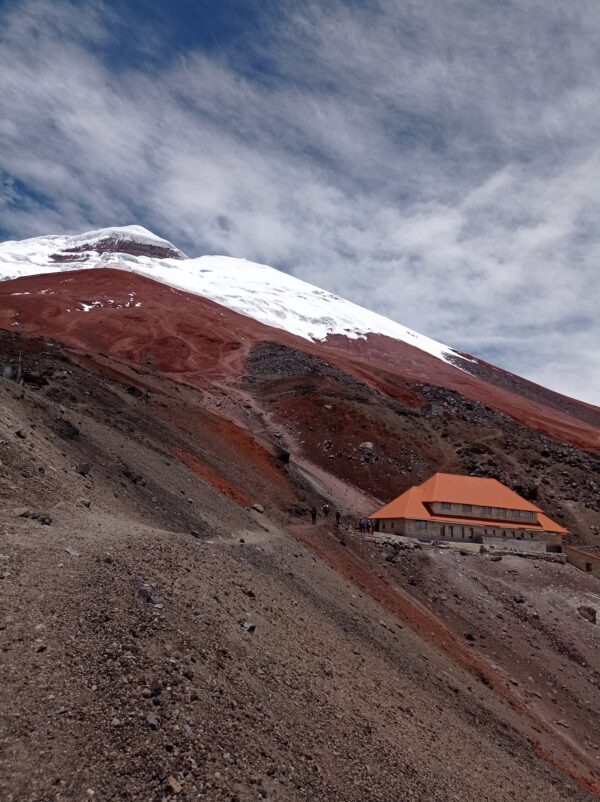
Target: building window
x=486, y=510
x=421, y=524
x=467, y=508
x=446, y=505
x=501, y=512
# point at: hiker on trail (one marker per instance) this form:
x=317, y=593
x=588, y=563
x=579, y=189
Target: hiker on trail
x=313, y=515
x=337, y=517
x=326, y=511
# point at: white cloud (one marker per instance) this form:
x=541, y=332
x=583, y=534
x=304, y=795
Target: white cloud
x=436, y=162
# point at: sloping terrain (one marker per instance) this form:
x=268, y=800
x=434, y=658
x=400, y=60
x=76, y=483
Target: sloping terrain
x=195, y=340
x=416, y=424
x=162, y=640
x=173, y=627
x=384, y=445
x=359, y=338
x=257, y=291
x=256, y=669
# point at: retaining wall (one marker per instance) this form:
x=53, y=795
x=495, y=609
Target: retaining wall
x=515, y=545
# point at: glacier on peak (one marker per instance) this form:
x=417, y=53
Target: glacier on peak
x=119, y=233
x=255, y=290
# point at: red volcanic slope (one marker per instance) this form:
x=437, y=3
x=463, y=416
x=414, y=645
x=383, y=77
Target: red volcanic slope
x=194, y=340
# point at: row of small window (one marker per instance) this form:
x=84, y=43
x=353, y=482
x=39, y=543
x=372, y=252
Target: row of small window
x=449, y=530
x=446, y=505
x=511, y=533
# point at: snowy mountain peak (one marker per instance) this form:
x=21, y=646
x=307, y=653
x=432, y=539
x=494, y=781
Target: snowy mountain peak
x=120, y=234
x=28, y=256
x=270, y=296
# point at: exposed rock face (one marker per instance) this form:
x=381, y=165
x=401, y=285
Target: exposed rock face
x=527, y=389
x=81, y=253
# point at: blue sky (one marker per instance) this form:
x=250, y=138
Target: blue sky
x=437, y=162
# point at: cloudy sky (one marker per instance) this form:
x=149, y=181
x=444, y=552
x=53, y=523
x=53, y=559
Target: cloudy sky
x=435, y=160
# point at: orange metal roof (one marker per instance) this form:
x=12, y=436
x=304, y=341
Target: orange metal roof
x=473, y=490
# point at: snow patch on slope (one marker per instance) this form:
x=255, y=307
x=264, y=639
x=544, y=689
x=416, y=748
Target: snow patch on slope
x=282, y=301
x=255, y=290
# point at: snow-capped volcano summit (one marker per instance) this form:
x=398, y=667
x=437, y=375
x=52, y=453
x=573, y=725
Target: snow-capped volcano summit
x=38, y=254
x=126, y=292
x=255, y=290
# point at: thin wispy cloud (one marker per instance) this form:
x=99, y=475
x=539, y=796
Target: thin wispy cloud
x=436, y=162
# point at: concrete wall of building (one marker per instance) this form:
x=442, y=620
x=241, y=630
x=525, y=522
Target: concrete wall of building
x=590, y=563
x=457, y=532
x=392, y=526
x=414, y=530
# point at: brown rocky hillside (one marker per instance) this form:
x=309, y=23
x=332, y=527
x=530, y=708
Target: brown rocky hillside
x=173, y=628
x=163, y=639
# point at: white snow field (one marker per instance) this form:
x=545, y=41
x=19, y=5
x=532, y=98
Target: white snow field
x=257, y=291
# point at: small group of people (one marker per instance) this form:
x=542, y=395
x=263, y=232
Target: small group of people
x=326, y=510
x=365, y=525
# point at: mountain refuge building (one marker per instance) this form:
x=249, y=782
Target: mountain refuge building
x=450, y=507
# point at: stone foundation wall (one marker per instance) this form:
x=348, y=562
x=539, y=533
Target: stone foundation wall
x=514, y=545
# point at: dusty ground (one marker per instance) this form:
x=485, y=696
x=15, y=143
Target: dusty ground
x=326, y=699
x=529, y=618
x=159, y=640
x=531, y=621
